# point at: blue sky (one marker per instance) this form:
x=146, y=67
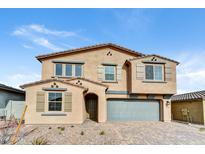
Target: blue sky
x=175, y=33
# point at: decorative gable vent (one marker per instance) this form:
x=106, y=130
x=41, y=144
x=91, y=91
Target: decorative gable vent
x=79, y=82
x=54, y=85
x=109, y=53
x=154, y=59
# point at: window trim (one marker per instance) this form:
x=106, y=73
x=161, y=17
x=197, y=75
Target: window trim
x=115, y=73
x=154, y=79
x=62, y=106
x=64, y=70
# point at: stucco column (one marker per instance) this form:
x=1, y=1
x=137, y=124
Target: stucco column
x=166, y=110
x=102, y=108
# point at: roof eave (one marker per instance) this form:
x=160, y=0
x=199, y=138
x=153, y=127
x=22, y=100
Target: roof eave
x=41, y=57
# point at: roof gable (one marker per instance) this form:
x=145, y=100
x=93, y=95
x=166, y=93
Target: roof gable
x=50, y=80
x=77, y=50
x=154, y=55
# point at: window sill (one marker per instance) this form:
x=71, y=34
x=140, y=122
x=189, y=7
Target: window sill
x=54, y=114
x=109, y=82
x=148, y=81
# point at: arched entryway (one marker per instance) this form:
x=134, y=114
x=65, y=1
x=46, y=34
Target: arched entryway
x=91, y=104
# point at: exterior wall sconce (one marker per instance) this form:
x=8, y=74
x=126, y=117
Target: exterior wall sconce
x=167, y=103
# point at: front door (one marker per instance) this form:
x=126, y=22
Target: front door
x=91, y=101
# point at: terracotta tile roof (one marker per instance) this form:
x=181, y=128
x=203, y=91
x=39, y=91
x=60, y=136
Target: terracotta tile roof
x=50, y=80
x=8, y=88
x=40, y=57
x=189, y=96
x=155, y=56
x=85, y=79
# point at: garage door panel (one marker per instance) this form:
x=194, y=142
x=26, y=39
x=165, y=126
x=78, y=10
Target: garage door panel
x=129, y=110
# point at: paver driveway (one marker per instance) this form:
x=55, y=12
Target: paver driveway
x=118, y=133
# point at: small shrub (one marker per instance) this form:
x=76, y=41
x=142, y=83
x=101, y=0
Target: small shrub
x=49, y=127
x=201, y=129
x=82, y=133
x=102, y=133
x=62, y=128
x=40, y=141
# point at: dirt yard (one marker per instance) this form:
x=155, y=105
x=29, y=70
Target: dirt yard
x=137, y=133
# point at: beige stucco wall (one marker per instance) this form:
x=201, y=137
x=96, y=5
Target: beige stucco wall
x=140, y=86
x=100, y=92
x=92, y=60
x=195, y=108
x=78, y=107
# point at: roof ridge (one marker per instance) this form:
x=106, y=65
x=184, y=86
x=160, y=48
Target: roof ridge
x=42, y=56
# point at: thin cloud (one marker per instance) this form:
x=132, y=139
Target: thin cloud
x=36, y=28
x=15, y=80
x=45, y=43
x=133, y=19
x=190, y=72
x=42, y=29
x=27, y=46
x=41, y=36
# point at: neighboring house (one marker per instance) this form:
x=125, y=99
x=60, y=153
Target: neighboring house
x=104, y=82
x=7, y=95
x=189, y=107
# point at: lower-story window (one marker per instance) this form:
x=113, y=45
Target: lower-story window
x=54, y=101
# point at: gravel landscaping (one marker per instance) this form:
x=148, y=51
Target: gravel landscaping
x=109, y=133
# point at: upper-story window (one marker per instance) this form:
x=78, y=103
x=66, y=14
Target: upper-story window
x=68, y=70
x=154, y=72
x=78, y=70
x=59, y=70
x=110, y=73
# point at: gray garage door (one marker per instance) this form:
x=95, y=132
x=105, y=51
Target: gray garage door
x=130, y=110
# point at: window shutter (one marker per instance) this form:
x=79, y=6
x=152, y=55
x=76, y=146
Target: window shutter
x=119, y=72
x=168, y=72
x=40, y=101
x=68, y=102
x=140, y=71
x=100, y=72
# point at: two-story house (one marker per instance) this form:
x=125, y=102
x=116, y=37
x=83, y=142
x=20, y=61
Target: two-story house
x=104, y=82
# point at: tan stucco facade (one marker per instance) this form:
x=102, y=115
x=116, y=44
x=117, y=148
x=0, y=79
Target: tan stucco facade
x=127, y=85
x=194, y=107
x=78, y=106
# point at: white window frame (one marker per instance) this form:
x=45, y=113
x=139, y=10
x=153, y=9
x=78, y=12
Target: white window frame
x=114, y=73
x=154, y=65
